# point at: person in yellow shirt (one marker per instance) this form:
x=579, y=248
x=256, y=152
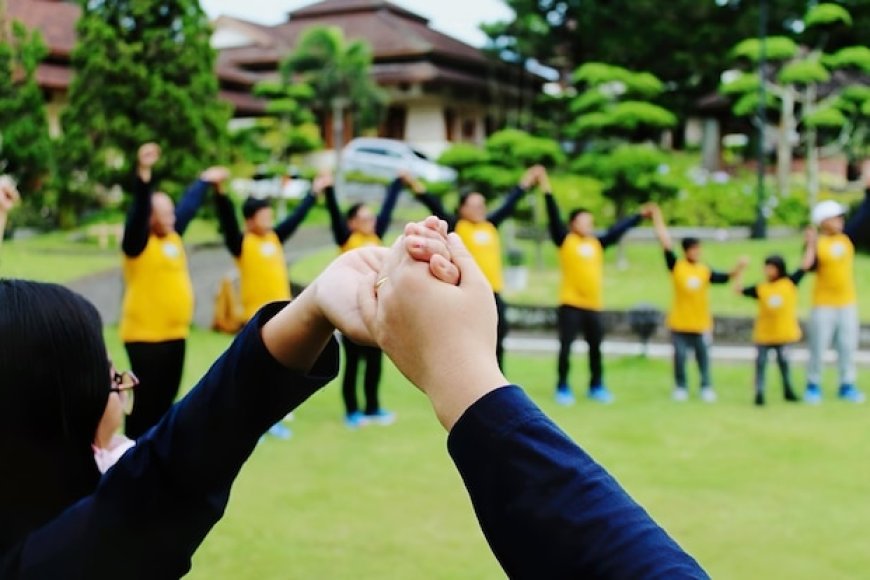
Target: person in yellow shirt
x=479, y=231
x=834, y=315
x=581, y=297
x=157, y=307
x=690, y=319
x=777, y=325
x=259, y=253
x=359, y=228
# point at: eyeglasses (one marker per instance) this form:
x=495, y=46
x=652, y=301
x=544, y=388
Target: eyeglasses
x=125, y=384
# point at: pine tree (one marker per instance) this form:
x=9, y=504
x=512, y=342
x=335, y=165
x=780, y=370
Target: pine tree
x=144, y=72
x=25, y=145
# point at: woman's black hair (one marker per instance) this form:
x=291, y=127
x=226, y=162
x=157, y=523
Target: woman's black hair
x=777, y=262
x=54, y=384
x=354, y=210
x=464, y=194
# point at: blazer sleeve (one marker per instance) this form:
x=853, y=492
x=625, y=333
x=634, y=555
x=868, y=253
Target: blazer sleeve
x=155, y=506
x=546, y=508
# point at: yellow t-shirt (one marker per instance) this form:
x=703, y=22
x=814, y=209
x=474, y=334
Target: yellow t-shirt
x=262, y=272
x=484, y=244
x=691, y=305
x=777, y=321
x=835, y=274
x=158, y=298
x=582, y=260
x=358, y=240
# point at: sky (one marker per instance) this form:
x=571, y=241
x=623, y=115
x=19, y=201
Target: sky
x=458, y=18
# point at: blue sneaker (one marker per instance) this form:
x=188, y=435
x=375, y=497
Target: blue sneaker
x=600, y=394
x=850, y=394
x=564, y=396
x=380, y=417
x=355, y=420
x=813, y=394
x=280, y=431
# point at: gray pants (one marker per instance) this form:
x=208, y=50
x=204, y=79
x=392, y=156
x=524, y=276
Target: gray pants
x=839, y=325
x=683, y=341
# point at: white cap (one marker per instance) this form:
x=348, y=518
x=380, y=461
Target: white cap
x=827, y=210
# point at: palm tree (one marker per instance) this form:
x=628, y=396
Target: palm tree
x=339, y=71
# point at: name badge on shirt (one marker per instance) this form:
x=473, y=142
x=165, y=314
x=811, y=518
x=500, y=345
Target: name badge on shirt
x=775, y=301
x=838, y=250
x=170, y=250
x=693, y=282
x=586, y=250
x=268, y=249
x=482, y=237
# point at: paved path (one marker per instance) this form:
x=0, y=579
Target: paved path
x=540, y=344
x=208, y=265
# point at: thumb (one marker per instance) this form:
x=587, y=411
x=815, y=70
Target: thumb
x=469, y=272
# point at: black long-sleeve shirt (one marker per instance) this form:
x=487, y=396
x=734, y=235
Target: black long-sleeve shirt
x=340, y=231
x=716, y=276
x=495, y=217
x=559, y=231
x=546, y=508
x=152, y=510
x=233, y=235
x=137, y=227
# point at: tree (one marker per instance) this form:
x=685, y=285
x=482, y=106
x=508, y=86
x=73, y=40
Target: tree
x=618, y=122
x=25, y=144
x=144, y=71
x=287, y=129
x=339, y=72
x=798, y=75
x=685, y=44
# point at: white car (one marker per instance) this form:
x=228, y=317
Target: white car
x=386, y=158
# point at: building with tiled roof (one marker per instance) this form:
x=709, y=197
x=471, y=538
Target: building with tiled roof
x=440, y=89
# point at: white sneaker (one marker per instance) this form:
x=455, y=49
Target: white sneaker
x=680, y=395
x=708, y=395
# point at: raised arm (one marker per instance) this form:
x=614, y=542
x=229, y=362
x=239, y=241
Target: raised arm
x=229, y=223
x=288, y=227
x=394, y=190
x=615, y=233
x=506, y=209
x=137, y=227
x=558, y=230
x=546, y=508
x=860, y=222
x=717, y=277
x=661, y=229
x=340, y=231
x=9, y=197
x=431, y=202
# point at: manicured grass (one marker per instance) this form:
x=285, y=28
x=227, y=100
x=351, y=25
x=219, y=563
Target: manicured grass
x=777, y=492
x=646, y=279
x=54, y=258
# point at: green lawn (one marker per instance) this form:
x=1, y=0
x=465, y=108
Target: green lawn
x=752, y=493
x=646, y=279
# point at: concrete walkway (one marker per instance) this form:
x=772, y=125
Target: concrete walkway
x=208, y=265
x=538, y=344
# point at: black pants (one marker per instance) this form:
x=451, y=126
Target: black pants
x=373, y=360
x=502, y=330
x=159, y=366
x=781, y=351
x=571, y=322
